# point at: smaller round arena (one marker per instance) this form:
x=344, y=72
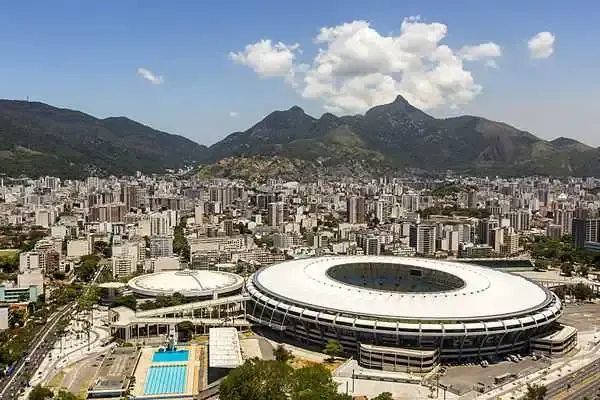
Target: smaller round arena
x=189, y=283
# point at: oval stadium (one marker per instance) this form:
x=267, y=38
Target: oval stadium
x=407, y=313
x=189, y=283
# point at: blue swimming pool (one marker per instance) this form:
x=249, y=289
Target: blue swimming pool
x=165, y=379
x=171, y=356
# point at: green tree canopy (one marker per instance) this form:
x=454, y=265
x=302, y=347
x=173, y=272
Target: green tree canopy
x=65, y=395
x=333, y=349
x=383, y=396
x=128, y=301
x=40, y=393
x=282, y=354
x=86, y=268
x=535, y=392
x=275, y=380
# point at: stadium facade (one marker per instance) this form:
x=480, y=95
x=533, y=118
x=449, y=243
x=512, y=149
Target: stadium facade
x=398, y=313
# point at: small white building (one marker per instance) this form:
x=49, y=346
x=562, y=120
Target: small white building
x=33, y=277
x=78, y=248
x=158, y=264
x=29, y=260
x=4, y=315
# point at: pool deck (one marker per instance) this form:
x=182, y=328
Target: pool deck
x=195, y=379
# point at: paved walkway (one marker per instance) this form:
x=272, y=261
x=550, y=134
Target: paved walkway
x=70, y=351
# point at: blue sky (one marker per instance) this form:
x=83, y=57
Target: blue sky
x=86, y=56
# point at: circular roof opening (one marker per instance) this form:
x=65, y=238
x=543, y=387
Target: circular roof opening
x=392, y=277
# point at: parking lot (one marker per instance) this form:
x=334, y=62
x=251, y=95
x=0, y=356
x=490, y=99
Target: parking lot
x=464, y=378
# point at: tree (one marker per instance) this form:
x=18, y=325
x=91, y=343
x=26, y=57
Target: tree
x=282, y=354
x=535, y=392
x=560, y=291
x=275, y=380
x=256, y=380
x=180, y=243
x=40, y=393
x=313, y=382
x=383, y=396
x=89, y=298
x=333, y=349
x=87, y=267
x=65, y=395
x=102, y=249
x=541, y=265
x=567, y=269
x=581, y=291
x=128, y=301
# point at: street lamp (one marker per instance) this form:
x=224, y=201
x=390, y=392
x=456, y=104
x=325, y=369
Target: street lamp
x=445, y=387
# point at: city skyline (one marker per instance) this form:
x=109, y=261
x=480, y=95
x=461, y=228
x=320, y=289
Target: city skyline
x=167, y=67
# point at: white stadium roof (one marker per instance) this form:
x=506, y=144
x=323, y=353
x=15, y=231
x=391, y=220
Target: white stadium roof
x=486, y=293
x=190, y=283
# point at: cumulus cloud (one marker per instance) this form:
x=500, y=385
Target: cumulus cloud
x=541, y=45
x=482, y=52
x=268, y=59
x=234, y=114
x=150, y=76
x=356, y=67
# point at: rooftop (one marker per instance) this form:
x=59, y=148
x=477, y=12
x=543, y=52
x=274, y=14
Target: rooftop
x=224, y=348
x=190, y=283
x=486, y=292
x=112, y=376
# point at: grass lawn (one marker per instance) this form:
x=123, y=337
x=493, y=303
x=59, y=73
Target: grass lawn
x=8, y=252
x=331, y=366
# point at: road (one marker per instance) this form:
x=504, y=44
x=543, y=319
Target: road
x=40, y=346
x=577, y=385
x=37, y=351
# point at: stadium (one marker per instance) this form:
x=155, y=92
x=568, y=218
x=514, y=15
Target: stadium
x=398, y=313
x=189, y=283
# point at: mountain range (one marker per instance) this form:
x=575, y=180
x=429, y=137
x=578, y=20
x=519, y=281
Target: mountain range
x=40, y=139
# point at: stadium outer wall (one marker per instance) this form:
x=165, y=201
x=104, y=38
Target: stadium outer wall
x=403, y=344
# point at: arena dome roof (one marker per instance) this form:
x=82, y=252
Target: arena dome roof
x=189, y=283
x=442, y=290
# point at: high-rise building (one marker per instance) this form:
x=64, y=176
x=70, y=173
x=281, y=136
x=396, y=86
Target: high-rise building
x=554, y=231
x=511, y=242
x=422, y=238
x=472, y=199
x=275, y=213
x=199, y=213
x=228, y=227
x=564, y=218
x=159, y=224
x=356, y=209
x=130, y=195
x=585, y=230
x=485, y=227
x=161, y=246
x=496, y=239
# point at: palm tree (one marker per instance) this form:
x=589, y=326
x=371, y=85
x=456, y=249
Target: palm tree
x=535, y=392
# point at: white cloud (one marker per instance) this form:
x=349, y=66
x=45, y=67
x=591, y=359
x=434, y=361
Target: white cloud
x=234, y=114
x=484, y=52
x=356, y=67
x=268, y=59
x=150, y=76
x=541, y=45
